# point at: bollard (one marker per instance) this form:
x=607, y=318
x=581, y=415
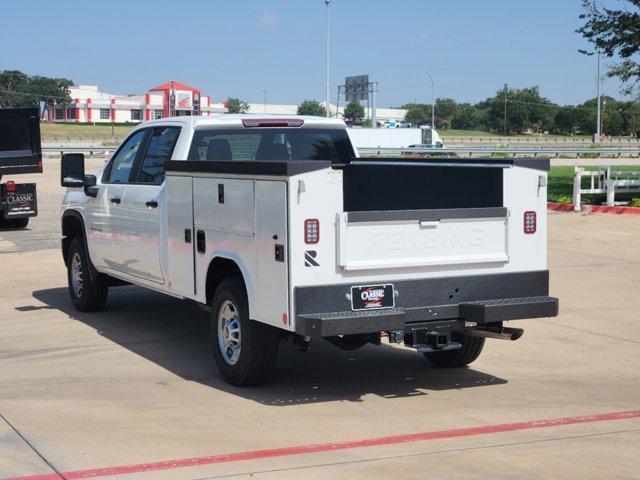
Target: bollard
x=577, y=184
x=611, y=192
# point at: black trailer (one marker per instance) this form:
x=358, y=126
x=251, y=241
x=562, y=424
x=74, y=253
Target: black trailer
x=20, y=153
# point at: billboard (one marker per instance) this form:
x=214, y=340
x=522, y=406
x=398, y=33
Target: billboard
x=356, y=87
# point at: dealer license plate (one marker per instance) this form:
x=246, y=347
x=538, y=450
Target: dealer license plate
x=369, y=297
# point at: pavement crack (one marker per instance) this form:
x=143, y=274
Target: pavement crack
x=32, y=447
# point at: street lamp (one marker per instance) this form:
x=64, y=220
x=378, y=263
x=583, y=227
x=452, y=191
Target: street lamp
x=597, y=137
x=327, y=3
x=433, y=105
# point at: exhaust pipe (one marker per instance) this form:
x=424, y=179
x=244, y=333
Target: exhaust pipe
x=505, y=333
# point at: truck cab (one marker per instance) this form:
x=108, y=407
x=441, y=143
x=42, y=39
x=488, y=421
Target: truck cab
x=275, y=226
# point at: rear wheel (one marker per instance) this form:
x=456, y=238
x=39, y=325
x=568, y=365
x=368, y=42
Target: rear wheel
x=87, y=295
x=244, y=350
x=470, y=350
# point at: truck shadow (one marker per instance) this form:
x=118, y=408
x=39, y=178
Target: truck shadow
x=173, y=334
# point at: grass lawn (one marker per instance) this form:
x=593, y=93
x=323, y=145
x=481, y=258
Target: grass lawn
x=561, y=185
x=452, y=133
x=72, y=130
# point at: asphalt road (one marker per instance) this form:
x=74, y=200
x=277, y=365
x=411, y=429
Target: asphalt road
x=131, y=392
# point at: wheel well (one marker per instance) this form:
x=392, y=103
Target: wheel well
x=219, y=269
x=71, y=228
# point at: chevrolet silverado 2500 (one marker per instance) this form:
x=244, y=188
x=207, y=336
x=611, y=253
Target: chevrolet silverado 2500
x=280, y=231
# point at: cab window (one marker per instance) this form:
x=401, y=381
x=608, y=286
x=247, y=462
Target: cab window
x=121, y=166
x=162, y=141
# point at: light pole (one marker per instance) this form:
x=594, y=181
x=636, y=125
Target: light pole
x=598, y=119
x=327, y=3
x=433, y=104
x=265, y=100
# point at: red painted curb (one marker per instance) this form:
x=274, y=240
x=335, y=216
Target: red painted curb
x=330, y=447
x=617, y=210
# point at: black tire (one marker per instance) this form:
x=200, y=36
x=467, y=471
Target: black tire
x=91, y=296
x=4, y=223
x=470, y=350
x=21, y=222
x=256, y=355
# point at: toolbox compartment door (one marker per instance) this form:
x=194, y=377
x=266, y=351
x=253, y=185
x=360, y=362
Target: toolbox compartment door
x=379, y=240
x=272, y=298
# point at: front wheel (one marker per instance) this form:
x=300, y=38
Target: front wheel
x=244, y=350
x=87, y=295
x=470, y=350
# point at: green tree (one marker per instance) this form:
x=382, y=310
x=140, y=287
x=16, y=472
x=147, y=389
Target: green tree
x=565, y=120
x=312, y=108
x=526, y=110
x=466, y=117
x=235, y=105
x=446, y=109
x=616, y=34
x=417, y=113
x=18, y=89
x=354, y=112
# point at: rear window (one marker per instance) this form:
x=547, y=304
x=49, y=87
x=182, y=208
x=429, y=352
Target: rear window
x=271, y=144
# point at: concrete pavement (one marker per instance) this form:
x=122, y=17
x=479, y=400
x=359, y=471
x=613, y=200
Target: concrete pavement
x=135, y=384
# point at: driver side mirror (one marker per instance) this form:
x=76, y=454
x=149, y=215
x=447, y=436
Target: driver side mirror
x=72, y=170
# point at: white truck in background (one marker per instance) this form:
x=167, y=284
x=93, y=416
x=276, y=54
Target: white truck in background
x=276, y=227
x=394, y=138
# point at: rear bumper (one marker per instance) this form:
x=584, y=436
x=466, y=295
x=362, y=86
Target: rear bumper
x=452, y=301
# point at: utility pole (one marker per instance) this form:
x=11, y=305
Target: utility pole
x=598, y=117
x=506, y=89
x=265, y=100
x=433, y=102
x=327, y=3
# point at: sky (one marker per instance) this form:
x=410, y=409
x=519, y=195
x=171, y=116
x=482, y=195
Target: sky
x=239, y=48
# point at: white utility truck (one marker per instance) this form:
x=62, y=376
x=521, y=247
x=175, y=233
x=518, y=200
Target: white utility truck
x=276, y=227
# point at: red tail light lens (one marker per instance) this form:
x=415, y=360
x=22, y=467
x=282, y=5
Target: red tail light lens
x=530, y=222
x=311, y=231
x=11, y=186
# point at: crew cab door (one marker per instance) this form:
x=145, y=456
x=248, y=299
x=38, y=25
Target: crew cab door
x=104, y=213
x=143, y=207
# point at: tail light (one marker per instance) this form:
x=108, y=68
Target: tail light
x=311, y=231
x=11, y=186
x=530, y=222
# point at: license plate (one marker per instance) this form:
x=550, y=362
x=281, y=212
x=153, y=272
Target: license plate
x=21, y=202
x=370, y=297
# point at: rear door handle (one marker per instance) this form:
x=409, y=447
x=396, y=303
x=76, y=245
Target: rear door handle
x=151, y=204
x=115, y=200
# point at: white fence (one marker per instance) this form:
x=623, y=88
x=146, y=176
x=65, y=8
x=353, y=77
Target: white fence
x=606, y=181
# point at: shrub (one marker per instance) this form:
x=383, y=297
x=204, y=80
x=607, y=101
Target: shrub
x=564, y=199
